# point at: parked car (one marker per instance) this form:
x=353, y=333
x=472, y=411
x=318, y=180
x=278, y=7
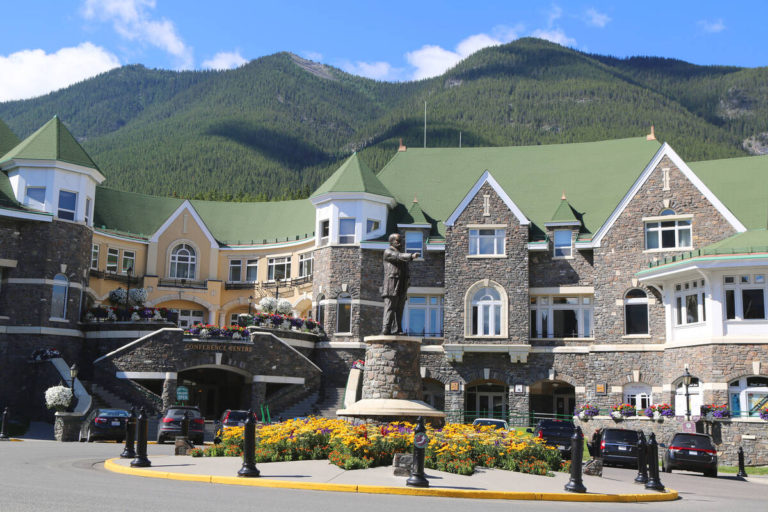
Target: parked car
x=229, y=419
x=555, y=433
x=691, y=452
x=106, y=424
x=619, y=446
x=492, y=422
x=170, y=425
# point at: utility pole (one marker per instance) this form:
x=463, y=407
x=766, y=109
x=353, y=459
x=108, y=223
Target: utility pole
x=425, y=124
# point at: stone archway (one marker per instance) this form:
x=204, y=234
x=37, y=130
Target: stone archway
x=552, y=399
x=215, y=389
x=486, y=398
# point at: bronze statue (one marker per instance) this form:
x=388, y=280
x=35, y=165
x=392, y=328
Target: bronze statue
x=395, y=286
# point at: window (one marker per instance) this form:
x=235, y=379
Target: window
x=486, y=313
x=279, y=269
x=745, y=297
x=320, y=314
x=746, y=394
x=190, y=317
x=88, y=211
x=344, y=313
x=67, y=205
x=423, y=316
x=414, y=242
x=563, y=244
x=638, y=395
x=183, y=262
x=305, y=264
x=112, y=256
x=668, y=234
x=95, y=256
x=690, y=302
x=486, y=241
x=233, y=319
x=636, y=312
x=129, y=261
x=251, y=270
x=346, y=231
x=35, y=197
x=324, y=232
x=561, y=316
x=694, y=398
x=235, y=270
x=59, y=296
x=371, y=226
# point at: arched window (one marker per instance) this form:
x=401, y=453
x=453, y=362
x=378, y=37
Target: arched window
x=636, y=312
x=639, y=395
x=667, y=211
x=320, y=314
x=747, y=394
x=344, y=313
x=694, y=396
x=59, y=296
x=183, y=262
x=486, y=312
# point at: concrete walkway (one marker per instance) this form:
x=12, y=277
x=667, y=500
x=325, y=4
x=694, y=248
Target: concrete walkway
x=321, y=475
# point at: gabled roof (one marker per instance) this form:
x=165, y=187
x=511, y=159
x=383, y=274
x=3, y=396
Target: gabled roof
x=353, y=176
x=8, y=139
x=563, y=215
x=416, y=214
x=490, y=180
x=51, y=142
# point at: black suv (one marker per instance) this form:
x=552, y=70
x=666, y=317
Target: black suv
x=555, y=433
x=170, y=425
x=619, y=446
x=692, y=452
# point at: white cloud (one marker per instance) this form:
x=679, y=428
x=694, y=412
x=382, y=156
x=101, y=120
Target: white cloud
x=132, y=20
x=597, y=19
x=432, y=60
x=713, y=27
x=375, y=70
x=555, y=14
x=555, y=35
x=224, y=60
x=30, y=73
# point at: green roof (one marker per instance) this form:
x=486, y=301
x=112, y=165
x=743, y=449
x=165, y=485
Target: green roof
x=8, y=139
x=752, y=242
x=51, y=142
x=353, y=176
x=564, y=212
x=7, y=198
x=417, y=214
x=741, y=184
x=128, y=212
x=596, y=175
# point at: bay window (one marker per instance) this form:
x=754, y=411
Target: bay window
x=745, y=297
x=689, y=302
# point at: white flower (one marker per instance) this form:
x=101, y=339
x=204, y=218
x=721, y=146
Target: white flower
x=284, y=307
x=58, y=396
x=204, y=334
x=138, y=295
x=111, y=315
x=157, y=315
x=616, y=415
x=583, y=416
x=117, y=296
x=268, y=304
x=236, y=336
x=135, y=317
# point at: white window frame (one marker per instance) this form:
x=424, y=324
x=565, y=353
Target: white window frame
x=251, y=263
x=480, y=307
x=343, y=301
x=273, y=263
x=232, y=264
x=95, y=256
x=177, y=262
x=498, y=238
x=128, y=256
x=59, y=305
x=560, y=250
x=655, y=226
x=745, y=396
x=346, y=238
x=112, y=267
x=636, y=301
x=432, y=307
x=682, y=292
x=543, y=309
x=306, y=262
x=59, y=208
x=639, y=395
x=324, y=232
x=87, y=217
x=372, y=225
x=412, y=244
x=738, y=284
x=694, y=394
x=30, y=201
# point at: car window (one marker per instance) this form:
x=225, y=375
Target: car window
x=120, y=413
x=621, y=436
x=237, y=416
x=492, y=423
x=179, y=413
x=689, y=441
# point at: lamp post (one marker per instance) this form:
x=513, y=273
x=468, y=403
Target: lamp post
x=128, y=291
x=250, y=298
x=687, y=382
x=73, y=371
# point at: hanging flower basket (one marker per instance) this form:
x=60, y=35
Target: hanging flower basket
x=587, y=411
x=58, y=398
x=764, y=414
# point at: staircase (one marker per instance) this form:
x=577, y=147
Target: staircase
x=302, y=408
x=105, y=399
x=334, y=400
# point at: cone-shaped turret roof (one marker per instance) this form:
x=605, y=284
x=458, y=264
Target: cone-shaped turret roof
x=353, y=176
x=52, y=141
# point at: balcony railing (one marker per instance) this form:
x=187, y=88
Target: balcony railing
x=166, y=282
x=112, y=276
x=267, y=285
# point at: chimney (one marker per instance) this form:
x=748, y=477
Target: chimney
x=651, y=136
x=401, y=148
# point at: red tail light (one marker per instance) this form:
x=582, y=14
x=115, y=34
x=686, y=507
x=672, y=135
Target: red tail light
x=167, y=420
x=680, y=448
x=226, y=417
x=100, y=421
x=199, y=421
x=541, y=434
x=602, y=444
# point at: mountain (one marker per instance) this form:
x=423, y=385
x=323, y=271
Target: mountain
x=278, y=126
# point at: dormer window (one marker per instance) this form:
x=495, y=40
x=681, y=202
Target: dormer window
x=67, y=205
x=563, y=243
x=414, y=242
x=346, y=231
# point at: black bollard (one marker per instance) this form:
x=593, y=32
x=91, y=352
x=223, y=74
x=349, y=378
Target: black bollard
x=642, y=465
x=249, y=448
x=575, y=484
x=185, y=425
x=742, y=472
x=3, y=434
x=420, y=442
x=130, y=436
x=652, y=451
x=141, y=460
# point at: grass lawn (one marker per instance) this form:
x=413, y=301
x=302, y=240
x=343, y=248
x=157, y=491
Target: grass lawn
x=757, y=470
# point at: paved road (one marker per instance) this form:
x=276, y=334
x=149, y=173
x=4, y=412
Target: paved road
x=49, y=476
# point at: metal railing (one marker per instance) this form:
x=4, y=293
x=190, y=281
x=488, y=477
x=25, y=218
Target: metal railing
x=165, y=282
x=113, y=276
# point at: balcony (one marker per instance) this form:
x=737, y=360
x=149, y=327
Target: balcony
x=168, y=282
x=112, y=276
x=267, y=285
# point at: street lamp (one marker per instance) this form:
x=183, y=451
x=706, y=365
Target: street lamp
x=73, y=370
x=687, y=382
x=250, y=298
x=128, y=291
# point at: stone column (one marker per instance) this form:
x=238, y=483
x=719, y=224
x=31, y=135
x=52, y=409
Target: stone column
x=258, y=396
x=169, y=390
x=392, y=368
x=519, y=406
x=454, y=404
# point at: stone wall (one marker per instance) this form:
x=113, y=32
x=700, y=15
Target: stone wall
x=392, y=370
x=335, y=363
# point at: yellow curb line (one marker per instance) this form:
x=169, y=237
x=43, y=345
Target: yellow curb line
x=668, y=495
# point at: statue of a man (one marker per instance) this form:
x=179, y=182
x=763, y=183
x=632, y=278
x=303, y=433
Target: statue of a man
x=395, y=285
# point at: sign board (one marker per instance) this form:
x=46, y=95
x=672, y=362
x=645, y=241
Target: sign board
x=601, y=388
x=454, y=385
x=689, y=427
x=420, y=440
x=182, y=393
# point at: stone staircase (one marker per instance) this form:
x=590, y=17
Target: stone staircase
x=312, y=405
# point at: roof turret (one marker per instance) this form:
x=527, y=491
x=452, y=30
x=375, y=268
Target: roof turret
x=353, y=176
x=53, y=141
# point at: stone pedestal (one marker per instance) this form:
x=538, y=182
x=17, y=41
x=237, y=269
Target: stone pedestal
x=183, y=445
x=392, y=387
x=66, y=427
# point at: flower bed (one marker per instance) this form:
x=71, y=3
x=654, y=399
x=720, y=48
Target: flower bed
x=716, y=411
x=623, y=411
x=276, y=321
x=587, y=411
x=456, y=448
x=659, y=411
x=136, y=313
x=233, y=332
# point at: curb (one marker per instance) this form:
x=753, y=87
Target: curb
x=668, y=495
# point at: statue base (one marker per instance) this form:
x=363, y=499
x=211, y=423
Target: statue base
x=386, y=410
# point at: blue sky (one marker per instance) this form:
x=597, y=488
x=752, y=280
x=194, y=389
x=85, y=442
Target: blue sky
x=49, y=44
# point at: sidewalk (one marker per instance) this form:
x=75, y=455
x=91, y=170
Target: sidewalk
x=323, y=476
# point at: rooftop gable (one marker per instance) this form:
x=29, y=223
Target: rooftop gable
x=487, y=178
x=564, y=215
x=53, y=141
x=353, y=176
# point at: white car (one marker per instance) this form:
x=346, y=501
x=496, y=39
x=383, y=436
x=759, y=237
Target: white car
x=493, y=422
